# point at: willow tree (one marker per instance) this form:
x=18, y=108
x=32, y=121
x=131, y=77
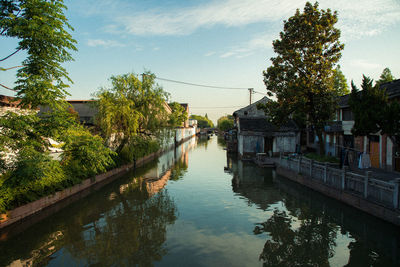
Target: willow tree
x=42, y=30
x=131, y=108
x=301, y=75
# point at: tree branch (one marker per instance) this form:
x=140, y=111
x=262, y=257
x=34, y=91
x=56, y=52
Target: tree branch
x=11, y=68
x=11, y=55
x=8, y=87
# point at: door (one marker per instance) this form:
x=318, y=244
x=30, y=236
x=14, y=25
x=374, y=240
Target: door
x=374, y=154
x=268, y=144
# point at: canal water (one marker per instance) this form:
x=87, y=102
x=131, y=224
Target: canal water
x=195, y=206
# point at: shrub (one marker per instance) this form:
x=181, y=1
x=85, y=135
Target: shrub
x=85, y=155
x=138, y=147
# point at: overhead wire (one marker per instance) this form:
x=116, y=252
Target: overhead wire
x=202, y=85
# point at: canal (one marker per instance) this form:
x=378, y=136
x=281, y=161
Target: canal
x=197, y=207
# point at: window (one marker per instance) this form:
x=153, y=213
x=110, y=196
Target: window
x=347, y=115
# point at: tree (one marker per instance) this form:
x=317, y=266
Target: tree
x=225, y=123
x=178, y=115
x=40, y=26
x=340, y=82
x=202, y=122
x=301, y=75
x=373, y=112
x=367, y=106
x=385, y=77
x=131, y=108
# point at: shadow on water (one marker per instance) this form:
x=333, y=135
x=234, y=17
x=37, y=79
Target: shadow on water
x=305, y=228
x=123, y=223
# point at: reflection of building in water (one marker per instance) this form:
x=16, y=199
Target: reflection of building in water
x=156, y=178
x=254, y=183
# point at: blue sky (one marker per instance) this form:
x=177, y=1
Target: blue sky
x=221, y=43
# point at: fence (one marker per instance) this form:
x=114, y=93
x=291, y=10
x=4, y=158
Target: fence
x=381, y=192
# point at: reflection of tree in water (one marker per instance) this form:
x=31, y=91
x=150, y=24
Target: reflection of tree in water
x=221, y=142
x=202, y=141
x=362, y=255
x=309, y=244
x=132, y=233
x=178, y=170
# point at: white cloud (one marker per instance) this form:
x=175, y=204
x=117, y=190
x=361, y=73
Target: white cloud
x=209, y=54
x=104, y=43
x=365, y=65
x=260, y=42
x=357, y=18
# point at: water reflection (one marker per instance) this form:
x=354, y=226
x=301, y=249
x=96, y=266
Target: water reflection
x=122, y=224
x=304, y=228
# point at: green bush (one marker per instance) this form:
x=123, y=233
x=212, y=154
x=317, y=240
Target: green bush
x=85, y=155
x=138, y=147
x=35, y=175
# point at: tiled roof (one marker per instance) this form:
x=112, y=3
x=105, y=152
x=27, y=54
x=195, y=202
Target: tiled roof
x=255, y=125
x=392, y=90
x=262, y=125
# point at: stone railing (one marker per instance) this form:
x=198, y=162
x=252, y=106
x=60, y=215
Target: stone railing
x=366, y=186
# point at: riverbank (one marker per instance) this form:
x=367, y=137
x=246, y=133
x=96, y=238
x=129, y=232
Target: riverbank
x=377, y=198
x=26, y=211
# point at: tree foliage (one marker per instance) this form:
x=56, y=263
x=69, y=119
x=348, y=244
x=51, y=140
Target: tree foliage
x=225, y=123
x=42, y=28
x=178, y=115
x=301, y=75
x=130, y=108
x=385, y=77
x=373, y=112
x=202, y=122
x=367, y=106
x=340, y=82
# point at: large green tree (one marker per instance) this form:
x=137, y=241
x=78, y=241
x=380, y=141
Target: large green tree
x=225, y=123
x=301, y=75
x=42, y=29
x=131, y=108
x=202, y=122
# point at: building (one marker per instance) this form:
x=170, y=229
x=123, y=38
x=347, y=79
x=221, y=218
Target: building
x=338, y=136
x=256, y=135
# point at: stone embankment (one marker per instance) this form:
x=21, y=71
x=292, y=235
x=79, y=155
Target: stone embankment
x=365, y=192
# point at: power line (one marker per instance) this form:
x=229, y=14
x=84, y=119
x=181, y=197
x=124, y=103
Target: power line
x=202, y=85
x=216, y=107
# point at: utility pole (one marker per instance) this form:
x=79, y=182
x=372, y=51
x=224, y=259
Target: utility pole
x=251, y=92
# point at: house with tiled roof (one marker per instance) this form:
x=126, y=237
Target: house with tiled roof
x=256, y=135
x=338, y=136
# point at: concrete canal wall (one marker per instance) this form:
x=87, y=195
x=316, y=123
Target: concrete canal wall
x=377, y=198
x=31, y=209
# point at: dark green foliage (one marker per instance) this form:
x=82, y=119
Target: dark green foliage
x=322, y=158
x=40, y=26
x=35, y=175
x=301, y=75
x=368, y=106
x=390, y=123
x=85, y=155
x=202, y=122
x=225, y=123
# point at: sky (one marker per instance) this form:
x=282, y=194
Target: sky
x=226, y=43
